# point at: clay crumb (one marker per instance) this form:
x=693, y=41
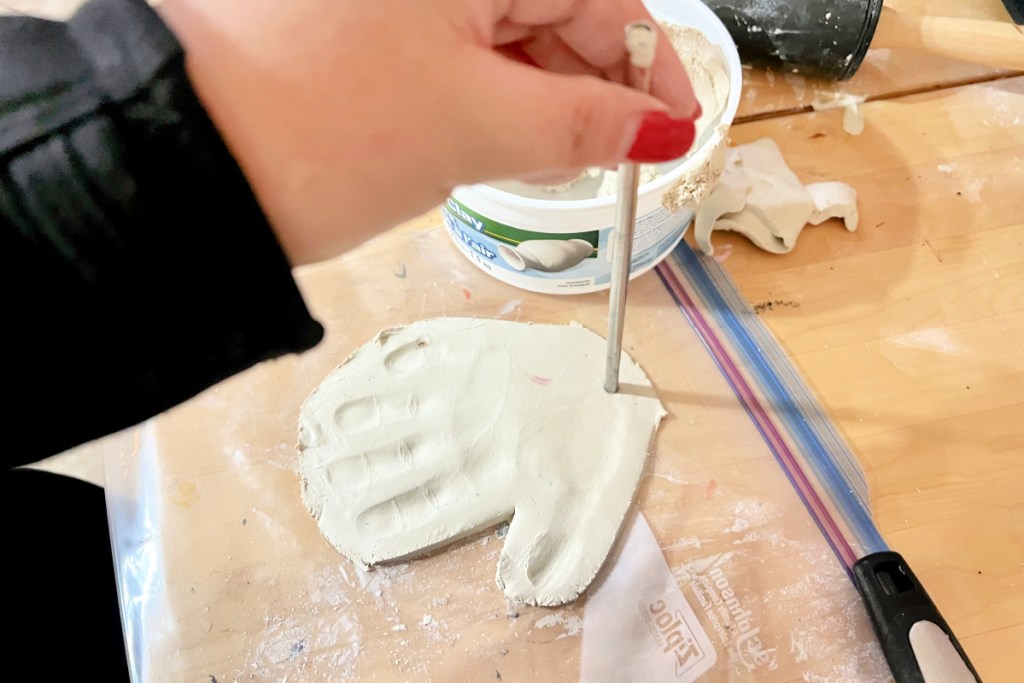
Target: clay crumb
x=772, y=305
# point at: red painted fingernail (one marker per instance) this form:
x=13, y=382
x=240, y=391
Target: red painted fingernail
x=661, y=138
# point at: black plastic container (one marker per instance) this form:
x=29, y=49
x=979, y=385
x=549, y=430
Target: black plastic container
x=822, y=38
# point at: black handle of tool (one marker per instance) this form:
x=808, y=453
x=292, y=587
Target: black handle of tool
x=1016, y=10
x=908, y=625
x=823, y=38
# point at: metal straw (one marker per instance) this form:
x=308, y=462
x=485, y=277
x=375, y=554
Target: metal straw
x=641, y=39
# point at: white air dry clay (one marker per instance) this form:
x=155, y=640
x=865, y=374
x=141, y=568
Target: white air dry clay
x=760, y=197
x=447, y=426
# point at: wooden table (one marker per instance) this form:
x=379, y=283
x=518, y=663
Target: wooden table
x=911, y=331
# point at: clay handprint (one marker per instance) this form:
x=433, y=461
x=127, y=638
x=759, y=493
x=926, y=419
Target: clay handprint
x=448, y=426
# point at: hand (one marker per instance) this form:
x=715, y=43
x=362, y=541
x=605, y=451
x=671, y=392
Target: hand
x=449, y=426
x=348, y=116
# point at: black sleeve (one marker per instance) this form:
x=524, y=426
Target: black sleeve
x=138, y=268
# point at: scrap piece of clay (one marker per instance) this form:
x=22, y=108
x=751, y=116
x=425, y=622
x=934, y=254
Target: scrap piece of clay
x=853, y=115
x=729, y=196
x=776, y=195
x=447, y=426
x=549, y=256
x=834, y=200
x=853, y=119
x=755, y=230
x=760, y=197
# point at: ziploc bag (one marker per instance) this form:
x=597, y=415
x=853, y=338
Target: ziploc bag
x=720, y=574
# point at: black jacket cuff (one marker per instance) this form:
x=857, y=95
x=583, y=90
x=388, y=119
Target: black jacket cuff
x=139, y=268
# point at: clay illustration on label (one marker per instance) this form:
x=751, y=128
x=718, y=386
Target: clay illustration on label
x=549, y=256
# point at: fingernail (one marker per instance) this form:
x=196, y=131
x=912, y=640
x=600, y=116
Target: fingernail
x=661, y=138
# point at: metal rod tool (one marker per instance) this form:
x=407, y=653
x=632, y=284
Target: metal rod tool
x=641, y=40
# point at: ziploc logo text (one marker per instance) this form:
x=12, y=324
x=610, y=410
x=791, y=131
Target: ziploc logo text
x=675, y=635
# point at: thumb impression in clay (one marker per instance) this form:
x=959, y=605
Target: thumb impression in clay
x=549, y=256
x=445, y=427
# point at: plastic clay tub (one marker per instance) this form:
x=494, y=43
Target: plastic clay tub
x=559, y=244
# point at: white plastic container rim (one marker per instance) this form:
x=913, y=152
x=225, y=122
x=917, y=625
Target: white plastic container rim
x=476, y=204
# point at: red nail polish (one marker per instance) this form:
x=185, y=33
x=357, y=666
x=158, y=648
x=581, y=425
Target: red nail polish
x=662, y=138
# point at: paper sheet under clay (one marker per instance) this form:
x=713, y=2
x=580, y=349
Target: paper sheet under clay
x=444, y=427
x=760, y=197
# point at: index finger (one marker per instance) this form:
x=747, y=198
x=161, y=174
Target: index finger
x=593, y=29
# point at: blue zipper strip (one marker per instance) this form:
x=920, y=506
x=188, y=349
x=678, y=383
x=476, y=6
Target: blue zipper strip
x=823, y=448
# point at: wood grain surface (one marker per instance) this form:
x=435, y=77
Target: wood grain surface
x=912, y=333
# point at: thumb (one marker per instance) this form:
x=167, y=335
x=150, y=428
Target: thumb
x=540, y=561
x=526, y=121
